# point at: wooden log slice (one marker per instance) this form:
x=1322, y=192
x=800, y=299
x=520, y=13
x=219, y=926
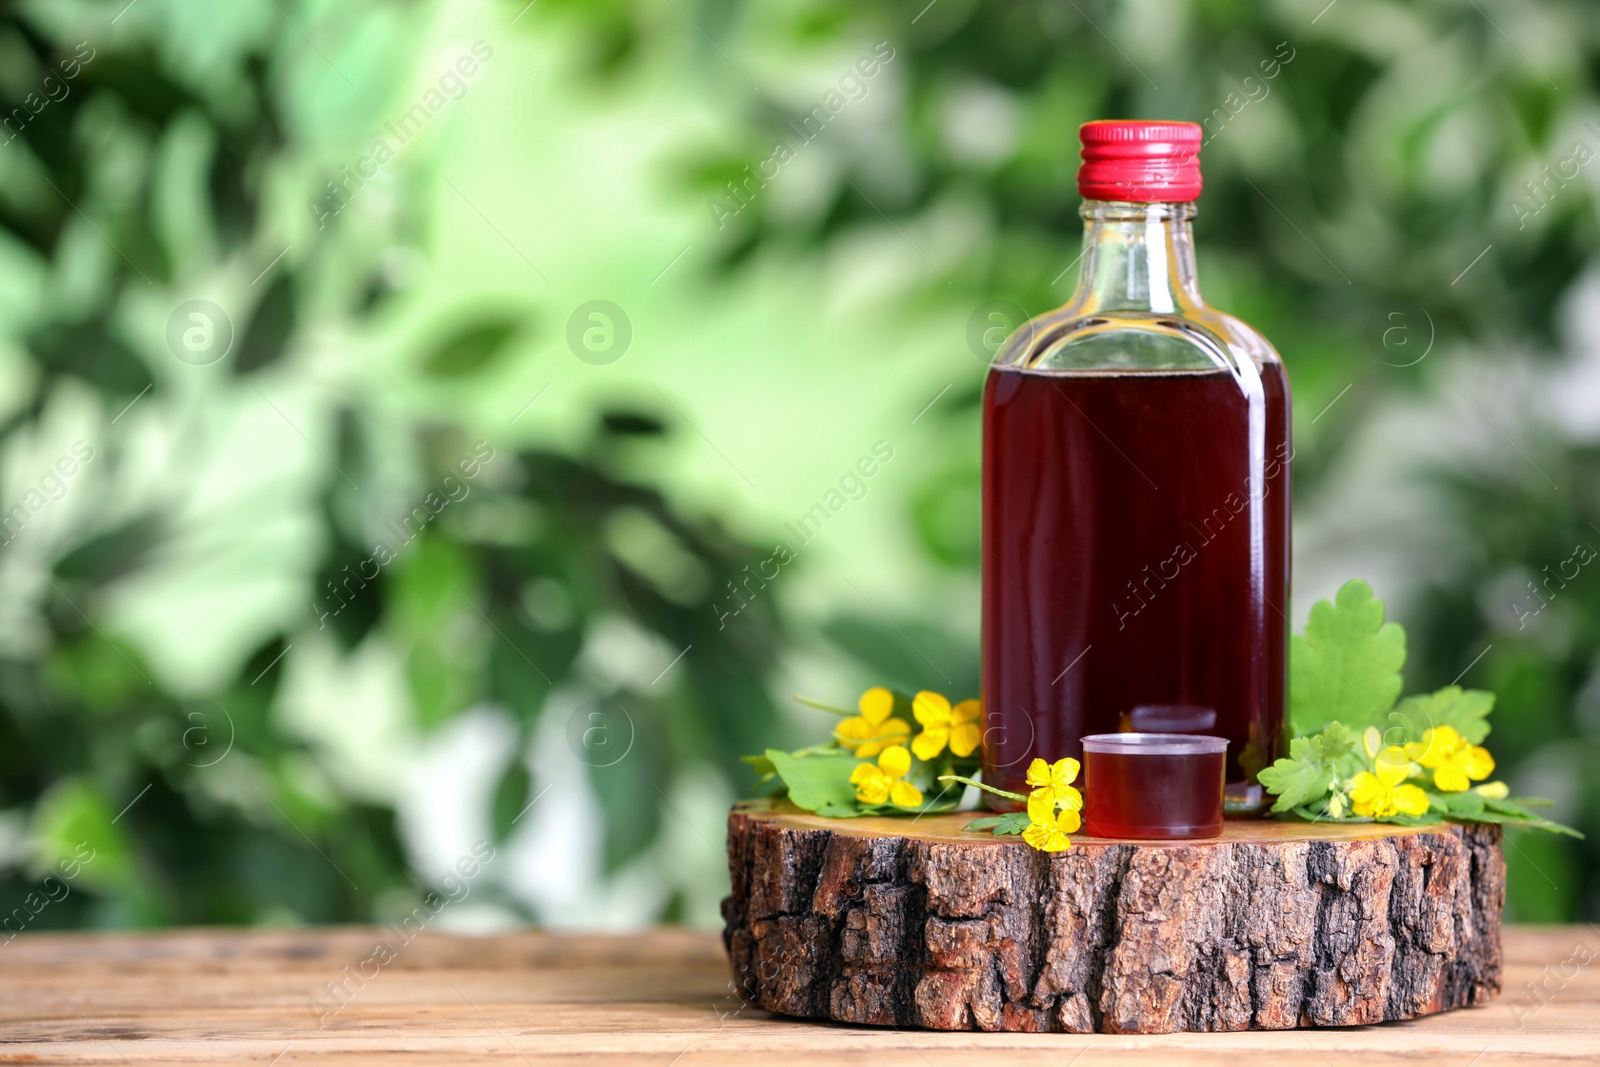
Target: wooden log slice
x=1272, y=926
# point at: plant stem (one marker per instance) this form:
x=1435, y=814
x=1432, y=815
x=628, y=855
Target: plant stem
x=808, y=702
x=826, y=748
x=985, y=788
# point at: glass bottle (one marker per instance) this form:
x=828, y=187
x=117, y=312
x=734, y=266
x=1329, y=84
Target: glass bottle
x=1136, y=493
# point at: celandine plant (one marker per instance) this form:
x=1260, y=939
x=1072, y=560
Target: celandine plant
x=1358, y=753
x=873, y=765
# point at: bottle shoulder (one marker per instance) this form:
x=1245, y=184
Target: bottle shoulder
x=1240, y=335
x=1191, y=337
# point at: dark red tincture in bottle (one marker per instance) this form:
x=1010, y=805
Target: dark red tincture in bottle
x=1123, y=566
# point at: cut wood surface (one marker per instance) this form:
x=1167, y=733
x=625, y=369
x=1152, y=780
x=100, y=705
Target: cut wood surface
x=1275, y=925
x=661, y=998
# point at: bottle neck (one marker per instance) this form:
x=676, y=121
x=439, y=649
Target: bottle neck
x=1137, y=257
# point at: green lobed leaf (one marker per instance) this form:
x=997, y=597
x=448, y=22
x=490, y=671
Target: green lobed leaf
x=763, y=766
x=1341, y=751
x=1337, y=741
x=1550, y=826
x=1012, y=822
x=1518, y=807
x=1313, y=815
x=1465, y=709
x=1499, y=819
x=1346, y=668
x=1491, y=817
x=1300, y=778
x=1515, y=812
x=1467, y=803
x=818, y=783
x=1429, y=819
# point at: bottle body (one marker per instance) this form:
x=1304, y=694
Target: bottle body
x=1135, y=516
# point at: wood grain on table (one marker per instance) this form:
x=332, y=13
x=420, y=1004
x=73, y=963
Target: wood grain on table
x=216, y=996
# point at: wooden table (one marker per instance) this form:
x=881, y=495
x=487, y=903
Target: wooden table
x=215, y=996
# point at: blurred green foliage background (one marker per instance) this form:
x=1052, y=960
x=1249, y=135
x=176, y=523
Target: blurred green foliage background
x=800, y=216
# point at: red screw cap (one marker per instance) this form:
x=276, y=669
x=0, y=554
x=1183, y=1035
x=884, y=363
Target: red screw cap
x=1144, y=162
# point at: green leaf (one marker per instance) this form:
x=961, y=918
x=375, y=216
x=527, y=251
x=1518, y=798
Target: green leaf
x=1347, y=666
x=510, y=799
x=1300, y=778
x=121, y=550
x=1341, y=750
x=1519, y=807
x=1516, y=812
x=1498, y=819
x=90, y=350
x=272, y=324
x=1337, y=741
x=74, y=820
x=1314, y=815
x=763, y=766
x=1487, y=817
x=1430, y=819
x=818, y=783
x=470, y=348
x=838, y=809
x=1468, y=803
x=1465, y=709
x=1012, y=822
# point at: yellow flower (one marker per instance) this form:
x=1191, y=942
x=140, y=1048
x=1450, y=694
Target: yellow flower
x=1046, y=830
x=1057, y=777
x=1380, y=792
x=942, y=725
x=885, y=781
x=1455, y=763
x=874, y=729
x=1493, y=790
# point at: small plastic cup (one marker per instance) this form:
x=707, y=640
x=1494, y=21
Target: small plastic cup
x=1153, y=786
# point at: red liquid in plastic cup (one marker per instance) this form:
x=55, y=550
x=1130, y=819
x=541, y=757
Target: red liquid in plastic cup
x=1163, y=786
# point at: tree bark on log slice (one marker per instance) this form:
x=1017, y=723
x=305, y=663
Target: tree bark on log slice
x=1275, y=925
